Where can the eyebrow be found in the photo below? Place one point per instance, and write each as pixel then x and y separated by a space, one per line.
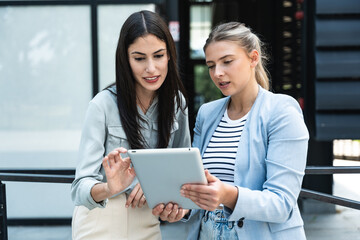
pixel 136 52
pixel 220 58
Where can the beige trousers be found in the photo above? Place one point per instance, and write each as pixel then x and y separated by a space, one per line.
pixel 115 222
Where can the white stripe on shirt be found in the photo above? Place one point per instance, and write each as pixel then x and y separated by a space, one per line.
pixel 219 156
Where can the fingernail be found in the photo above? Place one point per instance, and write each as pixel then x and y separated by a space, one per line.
pixel 126 205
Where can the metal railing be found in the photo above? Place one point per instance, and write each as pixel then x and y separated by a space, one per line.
pixel 67 176
pixel 323 197
pixel 43 176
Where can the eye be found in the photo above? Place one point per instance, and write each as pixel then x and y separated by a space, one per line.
pixel 159 55
pixel 227 61
pixel 139 59
pixel 211 66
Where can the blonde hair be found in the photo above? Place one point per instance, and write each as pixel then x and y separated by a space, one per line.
pixel 239 33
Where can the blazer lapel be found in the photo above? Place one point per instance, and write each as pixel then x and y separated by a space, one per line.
pixel 212 122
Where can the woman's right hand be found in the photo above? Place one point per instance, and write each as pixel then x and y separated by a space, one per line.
pixel 118 172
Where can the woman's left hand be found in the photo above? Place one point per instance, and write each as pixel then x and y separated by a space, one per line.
pixel 169 212
pixel 136 197
pixel 209 196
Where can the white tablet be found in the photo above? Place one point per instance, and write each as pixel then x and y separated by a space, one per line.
pixel 162 172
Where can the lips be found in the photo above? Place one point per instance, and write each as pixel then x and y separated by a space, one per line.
pixel 223 84
pixel 151 79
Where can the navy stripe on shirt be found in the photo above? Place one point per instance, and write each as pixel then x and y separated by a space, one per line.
pixel 220 155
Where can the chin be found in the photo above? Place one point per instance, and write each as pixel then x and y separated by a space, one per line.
pixel 154 88
pixel 225 93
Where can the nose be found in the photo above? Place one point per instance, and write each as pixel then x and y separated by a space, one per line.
pixel 150 66
pixel 218 72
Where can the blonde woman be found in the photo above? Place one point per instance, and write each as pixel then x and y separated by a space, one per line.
pixel 253 144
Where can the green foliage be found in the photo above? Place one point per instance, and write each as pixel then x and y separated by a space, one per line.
pixel 205 89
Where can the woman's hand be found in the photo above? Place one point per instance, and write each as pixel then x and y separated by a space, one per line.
pixel 118 172
pixel 171 212
pixel 210 196
pixel 136 197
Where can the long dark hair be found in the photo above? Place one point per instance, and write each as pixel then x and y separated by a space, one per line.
pixel 137 25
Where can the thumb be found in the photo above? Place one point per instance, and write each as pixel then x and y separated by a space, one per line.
pixel 210 178
pixel 130 168
pixel 132 171
pixel 127 162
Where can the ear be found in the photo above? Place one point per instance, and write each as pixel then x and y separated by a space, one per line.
pixel 255 58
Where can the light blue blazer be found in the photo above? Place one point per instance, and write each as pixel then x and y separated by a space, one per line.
pixel 269 167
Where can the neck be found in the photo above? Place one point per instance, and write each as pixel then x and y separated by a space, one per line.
pixel 144 98
pixel 241 104
pixel 144 102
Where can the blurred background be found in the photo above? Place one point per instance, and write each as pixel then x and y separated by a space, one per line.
pixel 55 55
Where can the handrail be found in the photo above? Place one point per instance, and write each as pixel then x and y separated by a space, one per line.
pixel 40 171
pixel 28 177
pixel 312 170
pixel 323 197
pixel 53 176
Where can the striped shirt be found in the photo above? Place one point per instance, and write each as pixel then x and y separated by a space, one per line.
pixel 219 156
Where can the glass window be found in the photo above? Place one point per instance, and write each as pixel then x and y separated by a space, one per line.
pixel 110 20
pixel 200 27
pixel 45 83
pixel 45 87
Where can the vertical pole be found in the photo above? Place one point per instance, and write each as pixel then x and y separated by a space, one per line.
pixel 185 64
pixel 94 44
pixel 172 12
pixel 320 153
pixel 3 216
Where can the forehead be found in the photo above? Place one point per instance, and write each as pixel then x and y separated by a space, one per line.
pixel 147 44
pixel 218 49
